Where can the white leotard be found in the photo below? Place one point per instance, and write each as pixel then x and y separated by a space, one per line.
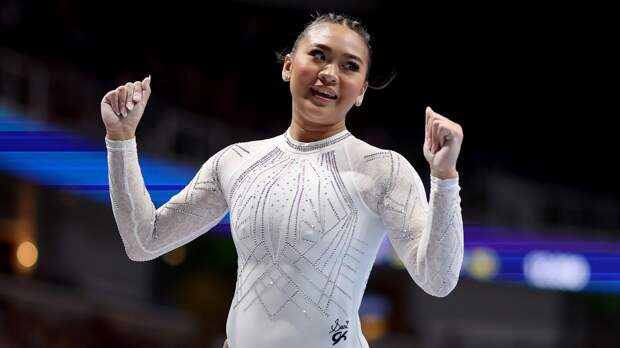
pixel 307 220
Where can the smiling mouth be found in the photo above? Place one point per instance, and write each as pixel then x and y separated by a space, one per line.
pixel 317 92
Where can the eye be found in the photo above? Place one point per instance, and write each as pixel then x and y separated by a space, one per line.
pixel 318 54
pixel 352 66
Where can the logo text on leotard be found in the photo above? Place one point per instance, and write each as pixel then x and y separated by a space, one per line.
pixel 339 331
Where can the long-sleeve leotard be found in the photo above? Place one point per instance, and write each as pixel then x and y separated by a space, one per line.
pixel 307 220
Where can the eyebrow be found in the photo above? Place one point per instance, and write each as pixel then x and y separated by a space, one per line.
pixel 348 55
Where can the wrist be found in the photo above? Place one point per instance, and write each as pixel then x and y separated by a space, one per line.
pixel 445 174
pixel 111 135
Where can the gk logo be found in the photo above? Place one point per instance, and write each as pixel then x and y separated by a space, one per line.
pixel 339 336
pixel 339 331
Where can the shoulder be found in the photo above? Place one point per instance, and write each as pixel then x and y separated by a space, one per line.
pixel 382 167
pixel 374 161
pixel 371 171
pixel 242 150
pixel 233 156
pixel 224 163
pixel 378 171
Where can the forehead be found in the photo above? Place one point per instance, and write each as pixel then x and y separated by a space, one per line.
pixel 338 37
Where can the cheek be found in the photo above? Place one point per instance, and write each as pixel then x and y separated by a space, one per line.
pixel 305 72
pixel 350 89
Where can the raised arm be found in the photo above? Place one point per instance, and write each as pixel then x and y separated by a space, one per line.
pixel 147 232
pixel 428 237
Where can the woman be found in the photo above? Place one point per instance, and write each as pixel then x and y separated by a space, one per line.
pixel 308 208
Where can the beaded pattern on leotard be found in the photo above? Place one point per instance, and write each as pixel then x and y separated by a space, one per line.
pixel 296 245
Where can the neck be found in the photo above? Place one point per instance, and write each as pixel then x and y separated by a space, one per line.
pixel 308 132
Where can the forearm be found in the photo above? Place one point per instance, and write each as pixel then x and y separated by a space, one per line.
pixel 429 237
pixel 131 204
pixel 426 234
pixel 440 253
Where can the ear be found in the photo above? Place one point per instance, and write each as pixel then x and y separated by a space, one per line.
pixel 360 97
pixel 286 68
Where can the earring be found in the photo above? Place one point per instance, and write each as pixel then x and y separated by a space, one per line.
pixel 358 102
pixel 286 77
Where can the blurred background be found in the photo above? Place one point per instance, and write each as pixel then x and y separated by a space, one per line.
pixel 535 89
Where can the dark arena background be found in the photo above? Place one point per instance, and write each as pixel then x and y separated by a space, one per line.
pixel 535 90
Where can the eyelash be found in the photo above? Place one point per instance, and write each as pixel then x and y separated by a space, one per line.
pixel 353 66
pixel 349 65
pixel 314 53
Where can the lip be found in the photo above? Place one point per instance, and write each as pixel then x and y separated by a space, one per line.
pixel 324 90
pixel 321 100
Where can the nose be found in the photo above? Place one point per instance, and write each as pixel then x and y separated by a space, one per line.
pixel 328 75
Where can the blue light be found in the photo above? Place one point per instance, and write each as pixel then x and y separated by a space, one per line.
pixel 58 159
pixel 52 157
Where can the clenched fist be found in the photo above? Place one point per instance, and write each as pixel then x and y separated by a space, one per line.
pixel 122 108
pixel 442 144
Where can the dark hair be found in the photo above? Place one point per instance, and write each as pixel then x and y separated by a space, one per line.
pixel 350 23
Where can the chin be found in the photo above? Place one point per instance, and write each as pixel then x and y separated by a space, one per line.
pixel 318 120
pixel 320 115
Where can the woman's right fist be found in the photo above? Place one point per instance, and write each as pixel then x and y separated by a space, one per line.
pixel 122 108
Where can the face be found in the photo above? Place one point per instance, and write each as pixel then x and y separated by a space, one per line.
pixel 327 73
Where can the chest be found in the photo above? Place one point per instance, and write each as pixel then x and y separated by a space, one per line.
pixel 287 203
